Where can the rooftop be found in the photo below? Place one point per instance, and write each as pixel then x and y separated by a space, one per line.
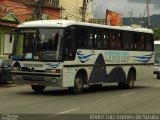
pixel 66 23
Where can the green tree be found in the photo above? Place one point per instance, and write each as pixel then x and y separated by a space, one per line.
pixel 157 34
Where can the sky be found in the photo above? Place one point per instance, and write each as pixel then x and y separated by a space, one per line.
pixel 123 6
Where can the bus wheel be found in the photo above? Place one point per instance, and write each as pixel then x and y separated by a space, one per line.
pixel 121 85
pixel 78 85
pixel 1 78
pixel 38 88
pixel 130 80
pixel 158 75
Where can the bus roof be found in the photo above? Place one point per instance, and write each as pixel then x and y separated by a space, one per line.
pixel 66 23
pixel 157 42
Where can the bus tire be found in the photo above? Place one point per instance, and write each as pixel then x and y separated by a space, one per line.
pixel 158 75
pixel 130 80
pixel 1 81
pixel 121 85
pixel 95 86
pixel 38 88
pixel 78 85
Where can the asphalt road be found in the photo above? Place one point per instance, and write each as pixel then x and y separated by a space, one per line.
pixel 54 102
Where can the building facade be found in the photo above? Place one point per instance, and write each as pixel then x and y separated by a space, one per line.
pixel 8 21
pixel 13 12
pixel 72 9
pixel 26 10
pixel 5 46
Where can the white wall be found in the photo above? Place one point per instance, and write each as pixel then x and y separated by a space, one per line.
pixel 72 8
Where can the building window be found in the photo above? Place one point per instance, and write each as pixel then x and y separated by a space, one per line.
pixel 7 49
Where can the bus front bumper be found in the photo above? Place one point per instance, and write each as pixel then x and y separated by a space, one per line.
pixel 34 78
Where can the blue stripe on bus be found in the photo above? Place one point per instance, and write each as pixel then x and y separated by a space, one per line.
pixel 143 58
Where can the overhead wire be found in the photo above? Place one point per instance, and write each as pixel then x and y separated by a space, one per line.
pixel 77 18
pixel 69 14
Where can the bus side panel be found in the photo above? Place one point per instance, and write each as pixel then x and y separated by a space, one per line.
pixel 68 76
pixel 107 66
pixel 144 63
pixel 99 66
pixel 147 71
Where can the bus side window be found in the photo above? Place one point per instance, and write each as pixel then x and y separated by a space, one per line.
pixel 125 41
pixel 128 42
pixel 142 42
pixel 105 40
pixel 70 45
pixel 80 38
pixel 115 40
pixel 100 39
pixel 139 44
pixel 118 40
pixel 91 38
pixel 112 41
pixel 148 42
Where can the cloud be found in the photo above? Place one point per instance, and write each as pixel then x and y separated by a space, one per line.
pixel 122 6
pixel 137 1
pixel 155 3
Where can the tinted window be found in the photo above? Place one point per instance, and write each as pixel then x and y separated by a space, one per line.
pixel 91 40
pixel 148 42
pixel 128 42
pixel 115 40
pixel 105 38
pixel 81 38
pixel 139 41
pixel 101 40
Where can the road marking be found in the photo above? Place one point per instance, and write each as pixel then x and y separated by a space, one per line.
pixel 64 112
pixel 68 111
pixel 128 94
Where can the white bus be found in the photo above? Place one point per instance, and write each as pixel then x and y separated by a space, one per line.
pixel 71 54
pixel 157 58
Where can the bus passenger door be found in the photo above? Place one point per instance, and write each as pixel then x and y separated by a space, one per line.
pixel 69 45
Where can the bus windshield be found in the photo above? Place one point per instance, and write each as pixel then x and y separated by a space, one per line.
pixel 157 51
pixel 157 57
pixel 38 44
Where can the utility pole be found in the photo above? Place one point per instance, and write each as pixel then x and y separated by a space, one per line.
pixel 148 13
pixel 131 19
pixel 39 8
pixel 141 22
pixel 61 12
pixel 84 7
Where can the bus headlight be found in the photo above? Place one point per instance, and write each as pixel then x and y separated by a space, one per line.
pixel 16 69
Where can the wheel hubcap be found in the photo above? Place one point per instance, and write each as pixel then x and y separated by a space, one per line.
pixel 78 83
